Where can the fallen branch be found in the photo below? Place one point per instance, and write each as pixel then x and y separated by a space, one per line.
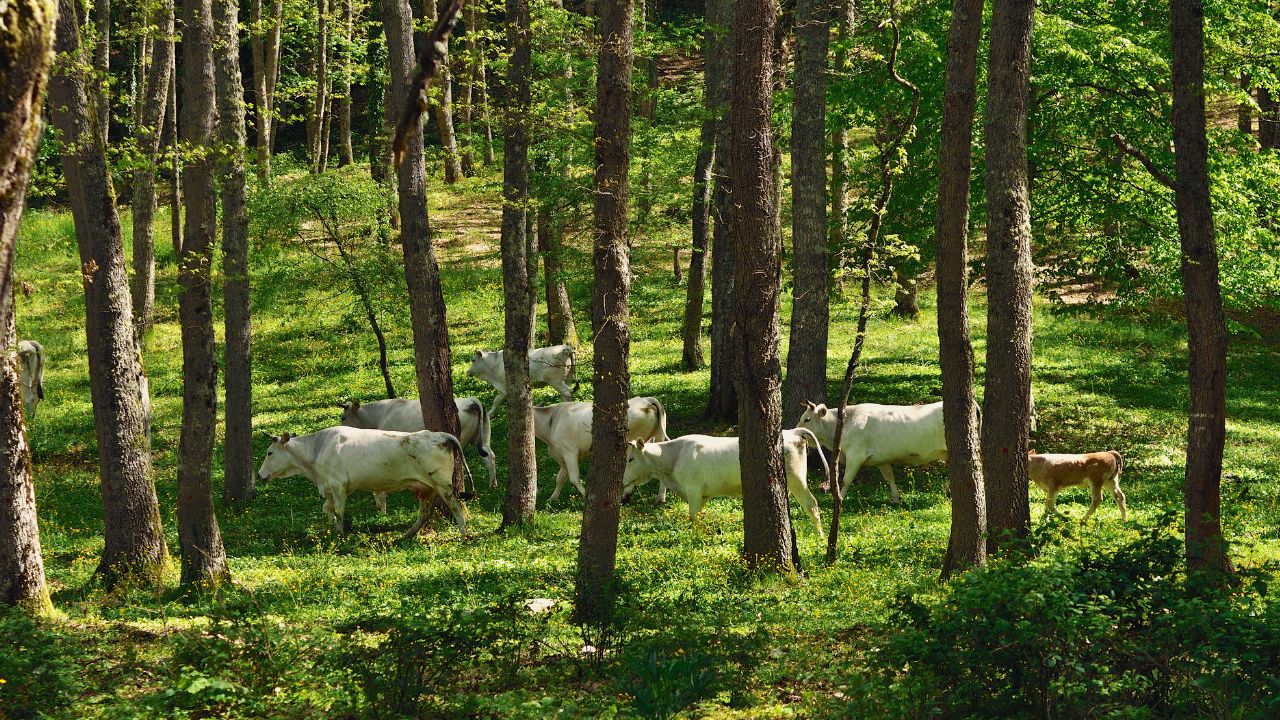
pixel 433 57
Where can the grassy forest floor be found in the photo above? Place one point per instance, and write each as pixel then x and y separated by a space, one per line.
pixel 297 633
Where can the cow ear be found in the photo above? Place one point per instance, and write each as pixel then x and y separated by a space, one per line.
pixel 285 438
pixel 479 354
pixel 822 410
pixel 1030 453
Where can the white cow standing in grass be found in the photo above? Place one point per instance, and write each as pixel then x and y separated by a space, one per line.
pixel 881 436
pixel 566 429
pixel 701 467
pixel 553 366
pixel 344 460
pixel 31 375
pixel 405 415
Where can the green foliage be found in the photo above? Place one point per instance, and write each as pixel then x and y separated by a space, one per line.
pixel 663 684
pixel 38 673
pixel 1084 631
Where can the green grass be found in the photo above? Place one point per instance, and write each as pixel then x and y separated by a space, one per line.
pixel 787 647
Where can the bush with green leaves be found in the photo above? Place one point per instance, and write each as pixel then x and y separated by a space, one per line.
pixel 38 676
pixel 1083 632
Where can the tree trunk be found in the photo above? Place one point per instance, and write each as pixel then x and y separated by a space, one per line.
pixel 422 275
pixel 906 298
pixel 238 487
pixel 1244 111
pixel 598 544
pixel 1268 120
pixel 320 111
pixel 560 326
pixel 810 313
pixel 695 292
pixel 757 276
pixel 1006 410
pixel 175 155
pixel 24 70
pixel 485 118
pixel 466 107
pixel 346 154
pixel 265 39
pixel 151 122
pixel 204 560
pixel 966 546
pixel 518 272
pixel 102 67
pixel 1206 328
pixel 442 106
pixel 722 396
pixel 134 550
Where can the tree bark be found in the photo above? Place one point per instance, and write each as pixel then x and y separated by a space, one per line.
pixel 151 121
pixel 757 276
pixel 560 326
pixel 1206 328
pixel 1006 406
pixel 266 69
pixel 810 312
pixel 102 67
pixel 320 111
pixel 134 550
pixel 26 34
pixel 967 544
pixel 1244 111
pixel 906 296
pixel 466 109
pixel 722 395
pixel 422 274
pixel 598 544
pixel 175 155
pixel 518 273
pixel 204 560
pixel 483 99
pixel 238 487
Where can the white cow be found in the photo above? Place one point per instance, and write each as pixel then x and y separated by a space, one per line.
pixel 404 415
pixel 881 436
pixel 566 429
pixel 549 366
pixel 342 460
pixel 31 374
pixel 701 467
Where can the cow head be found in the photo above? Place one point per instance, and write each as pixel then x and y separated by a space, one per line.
pixel 351 413
pixel 637 471
pixel 279 461
pixel 477 359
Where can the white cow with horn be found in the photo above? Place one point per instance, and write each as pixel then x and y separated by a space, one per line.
pixel 566 429
pixel 553 366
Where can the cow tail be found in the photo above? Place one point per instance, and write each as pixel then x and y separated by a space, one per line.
pixel 483 432
pixel 1119 463
pixel 826 469
pixel 662 418
pixel 457 447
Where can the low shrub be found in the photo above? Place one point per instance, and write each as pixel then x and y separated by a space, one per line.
pixel 38 677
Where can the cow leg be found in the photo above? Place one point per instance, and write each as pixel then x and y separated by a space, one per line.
pixel 497 400
pixel 572 465
pixel 1096 490
pixel 1118 495
pixel 851 469
pixel 1049 497
pixel 662 492
pixel 339 502
pixel 887 471
pixel 380 499
pixel 424 512
pixel 459 514
pixel 560 478
pixel 810 504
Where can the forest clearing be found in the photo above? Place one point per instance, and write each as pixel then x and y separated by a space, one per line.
pixel 649 284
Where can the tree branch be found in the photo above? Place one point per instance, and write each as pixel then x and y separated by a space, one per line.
pixel 433 57
pixel 1141 157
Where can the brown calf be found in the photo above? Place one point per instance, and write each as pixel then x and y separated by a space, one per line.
pixel 1055 471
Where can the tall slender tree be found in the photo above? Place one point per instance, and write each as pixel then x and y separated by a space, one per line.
pixel 134 550
pixel 598 544
pixel 1268 119
pixel 319 120
pixel 1206 328
pixel 716 83
pixel 265 47
pixel 102 67
pixel 757 281
pixel 1006 408
pixel 561 328
pixel 722 396
pixel 838 228
pixel 518 272
pixel 810 312
pixel 204 560
pixel 431 349
pixel 151 124
pixel 967 545
pixel 443 109
pixel 238 487
pixel 26 34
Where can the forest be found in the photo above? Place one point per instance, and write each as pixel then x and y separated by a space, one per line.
pixel 596 358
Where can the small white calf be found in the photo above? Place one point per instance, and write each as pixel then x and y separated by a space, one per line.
pixel 1054 471
pixel 701 467
pixel 881 436
pixel 549 366
pixel 343 460
pixel 566 429
pixel 31 375
pixel 405 415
